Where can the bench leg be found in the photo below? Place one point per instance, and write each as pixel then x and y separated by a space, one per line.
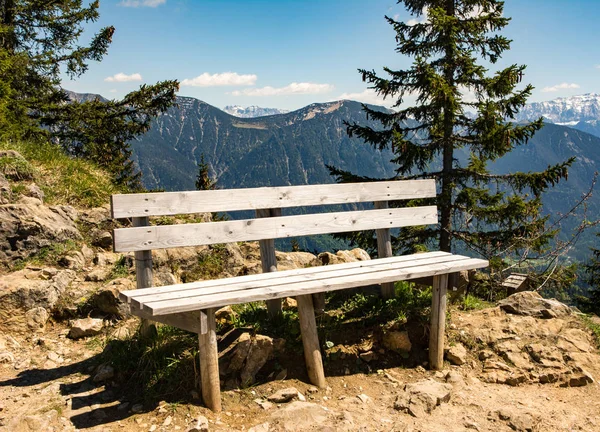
pixel 310 341
pixel 438 322
pixel 209 360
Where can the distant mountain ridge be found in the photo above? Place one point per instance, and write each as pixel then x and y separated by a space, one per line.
pixel 252 111
pixel 580 112
pixel 294 149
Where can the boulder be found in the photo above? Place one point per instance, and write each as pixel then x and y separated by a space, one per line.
pixel 85 327
pixel 530 303
pixel 28 225
pixel 34 191
pixel 5 190
pixel 295 260
pixel 284 395
pixel 225 316
pixel 25 292
pixel 107 298
pixel 249 355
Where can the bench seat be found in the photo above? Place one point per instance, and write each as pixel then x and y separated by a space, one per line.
pixel 210 294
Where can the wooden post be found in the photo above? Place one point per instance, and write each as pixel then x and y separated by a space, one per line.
pixel 384 250
pixel 143 274
pixel 209 360
pixel 268 258
pixel 310 341
pixel 438 322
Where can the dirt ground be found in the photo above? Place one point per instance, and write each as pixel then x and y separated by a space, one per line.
pixel 49 386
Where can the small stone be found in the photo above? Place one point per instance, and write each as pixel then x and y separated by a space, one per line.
pixel 85 327
pixel 7 357
pixel 104 373
pixel 263 427
pixel 471 425
pixel 457 355
pixel 266 405
pixel 454 377
pixel 284 395
pixel 579 379
pixel 364 398
pixel 152 428
pixel 368 356
pixel 289 304
pixel 313 390
pixel 137 408
pixel 201 425
pixel 168 421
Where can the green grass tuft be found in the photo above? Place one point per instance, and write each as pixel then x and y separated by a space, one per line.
pixel 63 179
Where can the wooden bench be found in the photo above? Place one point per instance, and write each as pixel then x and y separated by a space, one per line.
pixel 191 306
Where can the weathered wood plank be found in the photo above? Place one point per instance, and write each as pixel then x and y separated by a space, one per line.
pixel 438 321
pixel 209 362
pixel 384 250
pixel 224 200
pixel 310 286
pixel 268 259
pixel 187 320
pixel 169 236
pixel 262 277
pixel 285 278
pixel 310 341
pixel 143 274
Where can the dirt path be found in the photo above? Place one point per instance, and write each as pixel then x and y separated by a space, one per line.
pixel 48 385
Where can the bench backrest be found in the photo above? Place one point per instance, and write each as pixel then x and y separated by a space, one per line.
pixel 139 238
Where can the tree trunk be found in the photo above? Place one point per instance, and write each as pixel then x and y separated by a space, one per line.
pixel 445 197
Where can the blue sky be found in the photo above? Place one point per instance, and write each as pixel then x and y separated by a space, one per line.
pixel 287 54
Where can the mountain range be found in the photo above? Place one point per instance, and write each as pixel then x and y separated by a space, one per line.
pixel 580 112
pixel 252 111
pixel 294 148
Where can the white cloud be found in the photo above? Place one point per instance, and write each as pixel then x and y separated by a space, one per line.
pixel 563 86
pixel 112 90
pixel 121 77
pixel 424 18
pixel 220 79
pixel 598 66
pixel 368 96
pixel 143 3
pixel 303 88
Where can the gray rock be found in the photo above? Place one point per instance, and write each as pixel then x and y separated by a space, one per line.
pixel 200 425
pixel 250 355
pixel 28 225
pixel 104 372
pixel 85 327
pixel 298 416
pixel 284 395
pixel 263 427
pixel 457 354
pixel 23 295
pixel 530 303
pixel 107 298
pixel 102 239
pixel 421 398
pixel 34 191
pixel 266 405
pixel 98 275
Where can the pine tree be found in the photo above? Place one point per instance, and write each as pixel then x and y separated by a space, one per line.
pixel 592 271
pixel 38 40
pixel 204 180
pixel 461 122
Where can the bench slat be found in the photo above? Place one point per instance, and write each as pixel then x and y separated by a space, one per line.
pixel 170 236
pixel 303 288
pixel 160 300
pixel 173 203
pixel 260 278
pixel 308 284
